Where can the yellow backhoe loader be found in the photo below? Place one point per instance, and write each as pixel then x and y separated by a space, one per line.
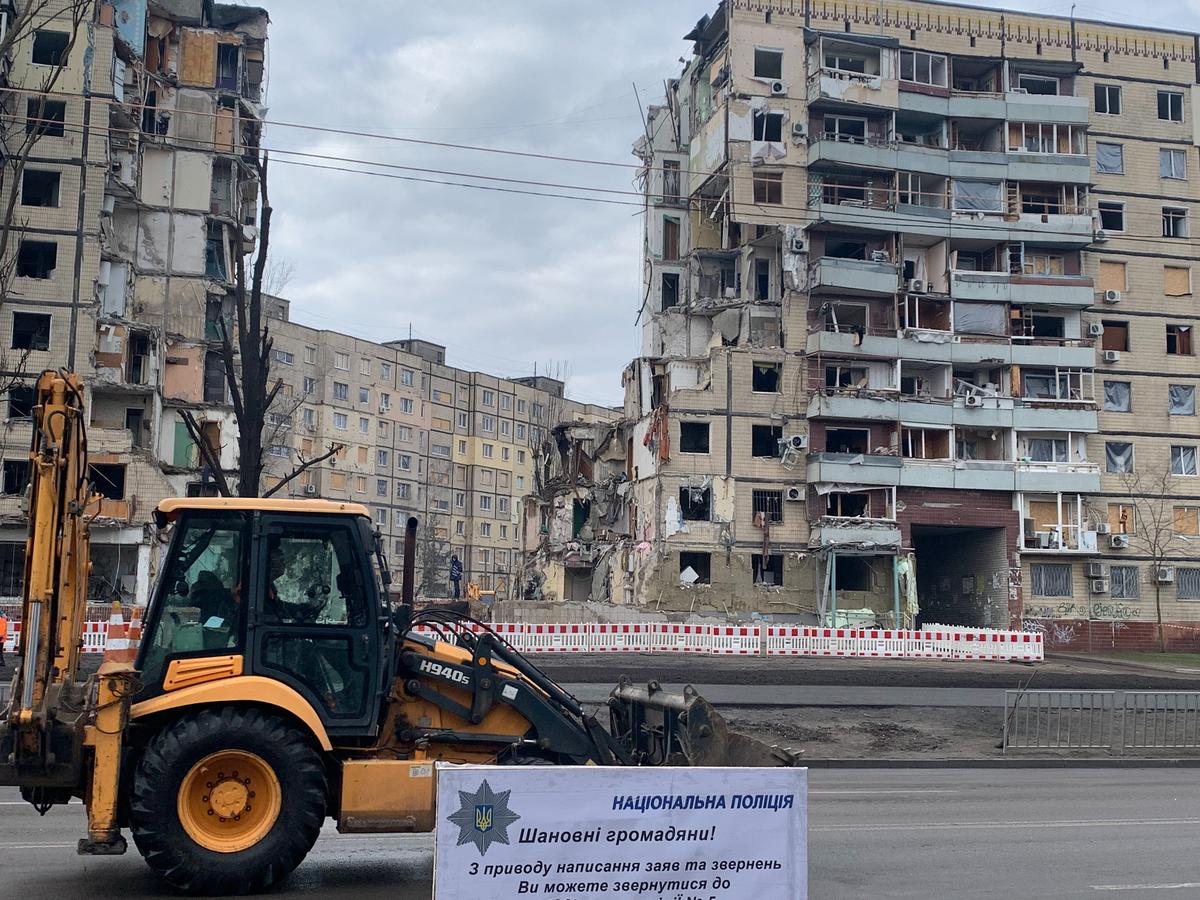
pixel 275 687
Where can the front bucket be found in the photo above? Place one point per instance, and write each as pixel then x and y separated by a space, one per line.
pixel 657 728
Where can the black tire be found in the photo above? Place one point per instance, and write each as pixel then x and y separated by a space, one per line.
pixel 154 818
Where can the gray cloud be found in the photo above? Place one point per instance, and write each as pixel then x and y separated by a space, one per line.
pixel 504 280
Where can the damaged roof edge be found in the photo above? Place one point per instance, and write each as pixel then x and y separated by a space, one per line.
pixel 811 35
pixel 710 28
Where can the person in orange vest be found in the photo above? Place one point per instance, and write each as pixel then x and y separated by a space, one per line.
pixel 3 636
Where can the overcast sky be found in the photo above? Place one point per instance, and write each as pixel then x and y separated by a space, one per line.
pixel 505 281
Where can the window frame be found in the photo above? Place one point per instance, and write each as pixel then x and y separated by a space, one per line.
pixel 1108 90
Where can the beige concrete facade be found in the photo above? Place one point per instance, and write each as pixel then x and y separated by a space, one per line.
pixel 925 242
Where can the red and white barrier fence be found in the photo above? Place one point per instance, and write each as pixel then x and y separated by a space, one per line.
pixel 937 642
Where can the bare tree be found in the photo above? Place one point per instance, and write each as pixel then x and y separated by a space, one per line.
pixel 1152 492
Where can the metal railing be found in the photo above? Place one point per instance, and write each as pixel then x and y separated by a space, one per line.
pixel 1116 721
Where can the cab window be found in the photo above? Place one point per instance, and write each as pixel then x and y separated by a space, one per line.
pixel 199 606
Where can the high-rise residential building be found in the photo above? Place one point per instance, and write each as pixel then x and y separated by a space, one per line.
pixel 453 447
pixel 129 204
pixel 919 294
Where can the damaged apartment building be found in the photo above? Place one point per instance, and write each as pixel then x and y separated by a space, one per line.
pixel 131 203
pixel 917 304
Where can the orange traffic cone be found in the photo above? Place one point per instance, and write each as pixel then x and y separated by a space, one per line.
pixel 117 648
pixel 135 630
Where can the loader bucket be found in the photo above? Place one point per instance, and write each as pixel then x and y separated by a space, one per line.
pixel 657 728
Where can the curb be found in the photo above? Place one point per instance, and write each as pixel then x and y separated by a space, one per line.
pixel 1006 763
pixel 1123 663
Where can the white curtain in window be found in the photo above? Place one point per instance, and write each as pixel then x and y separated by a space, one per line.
pixel 1181 400
pixel 1183 460
pixel 1047 450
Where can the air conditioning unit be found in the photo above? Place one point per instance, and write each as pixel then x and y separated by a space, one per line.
pixel 310 489
pixel 1095 329
pixel 1118 541
pixel 1101 236
pixel 799 246
pixel 880 256
pixel 798 441
pixel 973 401
pixel 1096 570
pixel 1112 296
pixel 918 286
pixel 795 494
pixel 1103 528
pixel 779 88
pixel 1112 355
pixel 1099 585
pixel 1164 575
pixel 800 130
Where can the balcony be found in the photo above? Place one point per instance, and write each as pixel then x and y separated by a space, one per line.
pixel 956 474
pixel 837 531
pixel 854 468
pixel 853 277
pixel 1076 477
pixel 1025 107
pixel 855 88
pixel 874 405
pixel 1067 168
pixel 1031 290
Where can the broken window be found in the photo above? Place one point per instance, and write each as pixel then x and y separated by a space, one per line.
pixel 838 249
pixel 1118 457
pixel 1183 459
pixel 764 440
pixel 700 565
pixel 1179 340
pixel 134 419
pixel 214 252
pixel 695 503
pixel 765 378
pixel 845 377
pixel 768 126
pixel 1048 450
pixel 768 187
pixel 1110 159
pixel 1172 164
pixel 693 437
pixel 1174 222
pixel 1117 396
pixel 670 237
pixel 981 318
pixel 49 47
pixel 40 188
pixel 852 573
pixel 846 317
pixel 37 259
pixel 768 63
pixel 30 331
pixel 670 289
pixel 1181 400
pixel 769 574
pixel 670 174
pixel 20 401
pixel 15 477
pixel 762 279
pixel 769 503
pixel 1112 216
pixel 847 440
pixel 1050 579
pixel 227 66
pixel 1108 99
pixel 108 480
pixel 847 505
pixel 925 443
pixel 1115 336
pixel 214 377
pixel 978 196
pixel 580 513
pixel 923 68
pixel 1049 326
pixel 45 118
pixel 1121 518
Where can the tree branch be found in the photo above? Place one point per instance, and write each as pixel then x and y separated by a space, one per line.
pixel 197 436
pixel 305 465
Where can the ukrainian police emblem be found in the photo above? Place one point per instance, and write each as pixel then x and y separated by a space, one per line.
pixel 483 817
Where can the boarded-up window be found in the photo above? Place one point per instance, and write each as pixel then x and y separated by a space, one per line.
pixel 225 130
pixel 198 58
pixel 1116 335
pixel 1112 276
pixel 1187 520
pixel 670 238
pixel 1120 518
pixel 1044 514
pixel 1177 281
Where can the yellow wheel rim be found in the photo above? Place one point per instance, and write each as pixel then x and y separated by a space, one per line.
pixel 229 801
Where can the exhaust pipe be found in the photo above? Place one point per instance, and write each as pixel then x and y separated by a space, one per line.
pixel 408 576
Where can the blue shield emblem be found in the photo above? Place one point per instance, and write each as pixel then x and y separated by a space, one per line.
pixel 483 817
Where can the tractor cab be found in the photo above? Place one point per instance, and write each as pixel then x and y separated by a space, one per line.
pixel 283 589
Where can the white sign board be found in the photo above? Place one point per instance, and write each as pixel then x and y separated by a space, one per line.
pixel 578 832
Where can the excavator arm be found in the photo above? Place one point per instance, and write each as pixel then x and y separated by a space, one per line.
pixel 59 738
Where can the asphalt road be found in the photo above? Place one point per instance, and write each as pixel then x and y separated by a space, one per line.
pixel 1052 834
